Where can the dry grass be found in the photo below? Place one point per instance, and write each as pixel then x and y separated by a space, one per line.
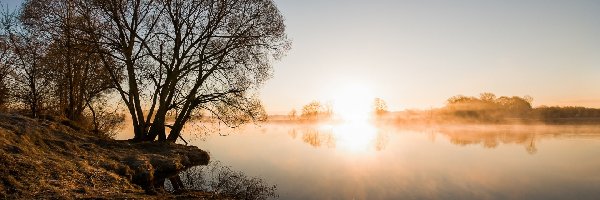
pixel 46 159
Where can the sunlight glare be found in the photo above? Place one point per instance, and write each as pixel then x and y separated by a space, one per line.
pixel 358 136
pixel 353 103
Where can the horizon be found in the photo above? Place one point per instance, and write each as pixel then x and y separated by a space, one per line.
pixel 416 55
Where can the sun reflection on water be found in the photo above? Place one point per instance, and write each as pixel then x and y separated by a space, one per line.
pixel 351 137
pixel 356 136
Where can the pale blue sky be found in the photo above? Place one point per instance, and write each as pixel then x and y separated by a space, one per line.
pixel 416 54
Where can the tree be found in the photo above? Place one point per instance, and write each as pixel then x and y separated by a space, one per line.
pixel 105 120
pixel 185 56
pixel 5 68
pixel 27 47
pixel 327 110
pixel 488 107
pixel 379 106
pixel 72 59
pixel 460 99
pixel 515 106
pixel 311 111
pixel 292 115
pixel 487 97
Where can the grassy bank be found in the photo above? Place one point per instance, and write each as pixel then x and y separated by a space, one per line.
pixel 48 159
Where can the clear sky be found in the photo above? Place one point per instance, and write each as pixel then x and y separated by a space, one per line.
pixel 416 54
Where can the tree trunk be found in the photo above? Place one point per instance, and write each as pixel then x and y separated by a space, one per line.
pixel 137 127
pixel 174 134
pixel 94 118
pixel 157 129
pixel 176 183
pixel 178 126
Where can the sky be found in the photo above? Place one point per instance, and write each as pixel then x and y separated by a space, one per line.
pixel 417 54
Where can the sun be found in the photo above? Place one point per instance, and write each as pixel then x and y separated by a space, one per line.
pixel 353 103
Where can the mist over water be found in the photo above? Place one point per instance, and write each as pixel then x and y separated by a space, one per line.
pixel 366 161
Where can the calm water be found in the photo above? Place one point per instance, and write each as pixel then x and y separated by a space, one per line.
pixel 363 161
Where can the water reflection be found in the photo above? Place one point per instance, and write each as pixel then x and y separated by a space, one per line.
pixel 525 135
pixel 355 137
pixel 419 162
pixel 351 137
pixel 222 182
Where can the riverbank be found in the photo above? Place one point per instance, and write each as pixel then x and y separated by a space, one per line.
pixel 53 159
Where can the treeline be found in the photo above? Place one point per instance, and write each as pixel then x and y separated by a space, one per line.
pixel 316 110
pixel 487 108
pixel 166 62
pixel 567 114
pixel 313 111
pixel 47 69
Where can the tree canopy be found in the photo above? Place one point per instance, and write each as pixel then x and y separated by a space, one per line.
pixel 180 56
pixel 162 58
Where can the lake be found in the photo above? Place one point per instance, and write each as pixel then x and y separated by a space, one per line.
pixel 364 161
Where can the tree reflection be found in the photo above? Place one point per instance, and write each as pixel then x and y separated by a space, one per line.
pixel 381 141
pixel 362 137
pixel 223 183
pixel 525 135
pixel 317 139
pixel 356 136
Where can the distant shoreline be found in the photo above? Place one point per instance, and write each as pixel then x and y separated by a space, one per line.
pixel 398 120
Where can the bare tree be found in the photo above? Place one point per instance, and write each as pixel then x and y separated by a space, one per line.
pixel 184 56
pixel 379 106
pixel 78 77
pixel 5 68
pixel 292 115
pixel 487 97
pixel 72 59
pixel 105 119
pixel 312 111
pixel 27 47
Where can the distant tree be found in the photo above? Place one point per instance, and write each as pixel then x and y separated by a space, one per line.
pixel 379 106
pixel 326 110
pixel 528 99
pixel 312 110
pixel 515 106
pixel 460 99
pixel 463 103
pixel 487 97
pixel 293 114
pixel 489 108
pixel 554 113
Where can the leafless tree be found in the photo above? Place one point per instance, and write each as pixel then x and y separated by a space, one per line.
pixel 72 60
pixel 185 56
pixel 5 68
pixel 292 115
pixel 29 85
pixel 312 111
pixel 379 106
